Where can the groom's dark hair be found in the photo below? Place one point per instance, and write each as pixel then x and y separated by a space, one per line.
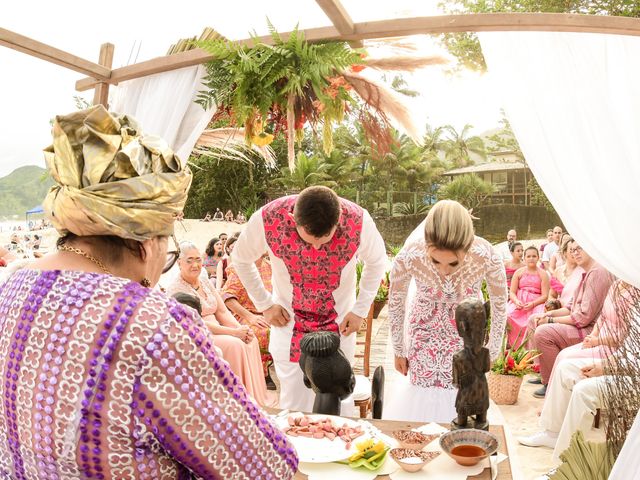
pixel 317 210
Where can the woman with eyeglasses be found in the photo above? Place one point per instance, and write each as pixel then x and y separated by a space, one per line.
pixel 103 376
pixel 238 343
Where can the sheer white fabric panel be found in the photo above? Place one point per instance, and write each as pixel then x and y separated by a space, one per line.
pixel 573 102
pixel 164 106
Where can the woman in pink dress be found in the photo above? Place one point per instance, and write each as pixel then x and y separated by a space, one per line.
pixel 441 263
pixel 238 343
pixel 528 294
pixel 510 266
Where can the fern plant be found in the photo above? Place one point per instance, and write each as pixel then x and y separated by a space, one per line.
pixel 271 89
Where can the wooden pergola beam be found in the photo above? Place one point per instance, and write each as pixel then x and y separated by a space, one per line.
pixel 32 47
pixel 479 22
pixel 101 93
pixel 335 11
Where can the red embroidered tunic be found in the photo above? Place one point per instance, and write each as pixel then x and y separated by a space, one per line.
pixel 315 273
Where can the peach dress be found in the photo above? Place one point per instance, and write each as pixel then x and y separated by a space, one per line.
pixel 243 358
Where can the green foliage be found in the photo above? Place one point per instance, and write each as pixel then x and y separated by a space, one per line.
pixel 382 294
pixel 309 171
pixel 470 190
pixel 588 460
pixel 259 83
pixel 459 146
pixel 466 47
pixel 504 139
pixel 23 189
pixel 516 361
pixel 226 184
pixel 410 208
pixel 537 195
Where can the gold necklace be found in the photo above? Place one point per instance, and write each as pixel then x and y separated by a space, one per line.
pixel 84 254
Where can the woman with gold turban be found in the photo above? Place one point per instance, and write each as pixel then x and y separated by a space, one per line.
pixel 103 377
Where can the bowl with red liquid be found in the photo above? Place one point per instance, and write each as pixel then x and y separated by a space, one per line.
pixel 468 446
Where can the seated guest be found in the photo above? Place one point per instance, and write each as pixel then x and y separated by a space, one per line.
pixel 194 302
pixel 566 278
pixel 574 397
pixel 528 293
pixel 609 328
pixel 218 216
pixel 212 255
pixel 549 238
pixel 240 218
pixel 504 249
pixel 228 217
pixel 103 376
pixel 221 269
pixel 569 325
pixel 207 217
pixel 515 262
pixel 578 382
pixel 552 247
pixel 237 342
pixel 557 260
pixel 237 300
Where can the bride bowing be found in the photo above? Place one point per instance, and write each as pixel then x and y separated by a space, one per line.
pixel 441 263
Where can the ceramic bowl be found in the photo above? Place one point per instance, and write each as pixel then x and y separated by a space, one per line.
pixel 412 460
pixel 413 440
pixel 468 446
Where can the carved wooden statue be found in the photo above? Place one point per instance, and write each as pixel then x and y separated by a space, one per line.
pixel 470 365
pixel 326 371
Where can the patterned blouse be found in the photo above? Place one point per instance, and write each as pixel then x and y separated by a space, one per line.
pixel 431 330
pixel 103 378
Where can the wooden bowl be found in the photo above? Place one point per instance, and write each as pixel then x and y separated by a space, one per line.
pixel 413 440
pixel 412 460
pixel 468 446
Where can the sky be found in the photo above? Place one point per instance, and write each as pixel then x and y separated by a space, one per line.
pixel 33 91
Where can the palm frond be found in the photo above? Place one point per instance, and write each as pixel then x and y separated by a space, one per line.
pixel 230 143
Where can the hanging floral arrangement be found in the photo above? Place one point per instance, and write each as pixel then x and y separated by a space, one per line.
pixel 272 90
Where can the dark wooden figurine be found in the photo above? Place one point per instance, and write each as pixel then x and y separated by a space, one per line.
pixel 326 371
pixel 470 365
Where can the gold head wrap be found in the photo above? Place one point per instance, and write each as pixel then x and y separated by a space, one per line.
pixel 112 179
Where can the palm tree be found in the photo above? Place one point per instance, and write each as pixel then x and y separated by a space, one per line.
pixel 470 190
pixel 433 143
pixel 459 146
pixel 309 171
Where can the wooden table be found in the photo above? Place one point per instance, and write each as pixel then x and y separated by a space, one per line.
pixel 504 467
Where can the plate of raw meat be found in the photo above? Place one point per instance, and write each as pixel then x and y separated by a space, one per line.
pixel 321 438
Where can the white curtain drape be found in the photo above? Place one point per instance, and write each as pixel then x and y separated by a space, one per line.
pixel 164 105
pixel 573 103
pixel 572 100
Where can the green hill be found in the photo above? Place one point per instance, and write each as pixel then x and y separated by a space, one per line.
pixel 23 189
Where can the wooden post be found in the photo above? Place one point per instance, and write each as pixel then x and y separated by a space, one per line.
pixel 101 94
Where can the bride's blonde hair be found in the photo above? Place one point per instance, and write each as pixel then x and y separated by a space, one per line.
pixel 449 226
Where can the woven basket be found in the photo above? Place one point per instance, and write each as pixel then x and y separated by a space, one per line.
pixel 504 389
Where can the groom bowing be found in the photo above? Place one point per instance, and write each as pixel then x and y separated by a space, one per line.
pixel 314 240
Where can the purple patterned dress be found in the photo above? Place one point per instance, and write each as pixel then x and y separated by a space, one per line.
pixel 103 378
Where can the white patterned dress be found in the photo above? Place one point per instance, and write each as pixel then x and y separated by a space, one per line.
pixel 423 326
